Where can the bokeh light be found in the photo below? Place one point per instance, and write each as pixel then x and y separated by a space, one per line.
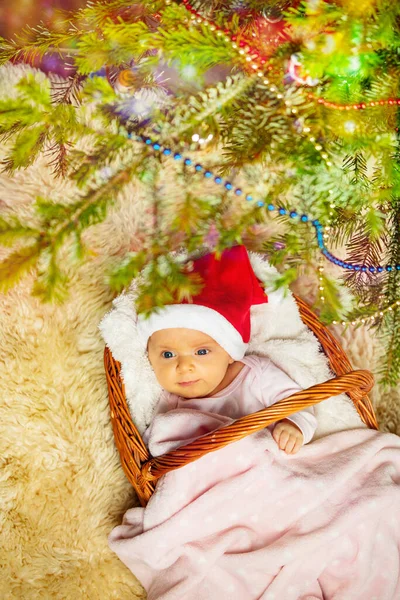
pixel 15 15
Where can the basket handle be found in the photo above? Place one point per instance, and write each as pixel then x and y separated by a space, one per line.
pixel 359 382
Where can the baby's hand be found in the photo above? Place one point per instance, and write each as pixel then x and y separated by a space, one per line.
pixel 288 436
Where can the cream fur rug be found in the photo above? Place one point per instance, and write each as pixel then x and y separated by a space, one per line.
pixel 62 487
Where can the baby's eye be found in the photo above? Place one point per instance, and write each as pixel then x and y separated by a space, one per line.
pixel 166 352
pixel 203 350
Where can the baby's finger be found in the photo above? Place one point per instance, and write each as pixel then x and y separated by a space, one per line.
pixel 276 434
pixel 290 444
pixel 283 439
pixel 297 446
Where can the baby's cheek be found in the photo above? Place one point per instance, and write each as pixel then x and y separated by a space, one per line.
pixel 163 374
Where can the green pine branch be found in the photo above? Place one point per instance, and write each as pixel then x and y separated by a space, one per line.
pixel 269 139
pixel 57 224
pixel 18 264
pixel 206 108
pixel 34 124
pixel 389 369
pixel 95 14
pixel 34 42
pixel 11 230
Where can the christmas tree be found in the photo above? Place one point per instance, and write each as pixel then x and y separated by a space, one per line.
pixel 274 124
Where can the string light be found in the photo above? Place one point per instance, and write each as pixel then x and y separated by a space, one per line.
pixel 355 106
pixel 199 140
pixel 321 279
pixel 293 214
pixel 258 64
pixel 252 59
pixel 365 319
pixel 256 61
pixel 321 287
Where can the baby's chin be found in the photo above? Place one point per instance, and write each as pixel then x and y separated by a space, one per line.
pixel 193 391
pixel 185 393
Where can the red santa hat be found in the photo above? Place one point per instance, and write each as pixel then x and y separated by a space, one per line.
pixel 222 309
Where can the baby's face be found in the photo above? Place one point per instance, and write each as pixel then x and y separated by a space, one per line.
pixel 180 355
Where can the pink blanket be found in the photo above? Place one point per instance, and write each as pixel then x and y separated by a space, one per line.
pixel 249 522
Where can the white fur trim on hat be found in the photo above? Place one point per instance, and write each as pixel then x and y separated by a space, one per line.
pixel 198 317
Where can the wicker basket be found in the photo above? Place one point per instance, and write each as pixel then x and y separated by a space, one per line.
pixel 143 471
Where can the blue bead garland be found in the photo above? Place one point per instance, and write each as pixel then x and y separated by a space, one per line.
pixel 319 230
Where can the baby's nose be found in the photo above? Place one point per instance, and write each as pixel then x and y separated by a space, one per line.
pixel 185 363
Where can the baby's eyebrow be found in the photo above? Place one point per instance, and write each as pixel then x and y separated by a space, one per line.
pixel 194 346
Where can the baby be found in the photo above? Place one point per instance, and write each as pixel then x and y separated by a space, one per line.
pixel 196 372
pixel 197 351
